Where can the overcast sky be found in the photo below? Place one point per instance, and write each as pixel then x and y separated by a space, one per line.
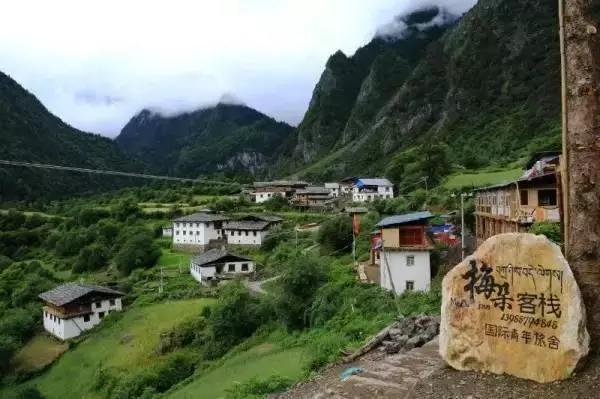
pixel 96 63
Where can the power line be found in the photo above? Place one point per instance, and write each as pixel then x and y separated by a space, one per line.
pixel 108 172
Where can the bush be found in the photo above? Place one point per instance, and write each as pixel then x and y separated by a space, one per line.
pixel 548 229
pixel 336 234
pixel 256 389
pixel 138 251
pixel 298 284
pixel 235 316
pixel 276 203
pixel 91 258
pixel 182 335
pixel 8 347
pixel 27 393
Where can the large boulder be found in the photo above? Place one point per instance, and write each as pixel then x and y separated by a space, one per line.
pixel 514 307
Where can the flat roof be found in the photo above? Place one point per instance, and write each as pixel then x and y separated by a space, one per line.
pixel 404 219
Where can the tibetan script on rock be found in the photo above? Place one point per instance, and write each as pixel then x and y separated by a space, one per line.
pixel 514 307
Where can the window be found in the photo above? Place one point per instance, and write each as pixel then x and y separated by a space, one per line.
pixel 410 285
pixel 86 318
pixel 98 304
pixel 112 302
pixel 101 315
pixel 59 321
pixel 184 232
pixel 197 232
pixel 387 189
pixel 547 197
pixel 246 233
pixel 524 194
pixel 410 260
pixel 176 232
pixel 231 267
pixel 411 236
pixel 244 267
pixel 254 233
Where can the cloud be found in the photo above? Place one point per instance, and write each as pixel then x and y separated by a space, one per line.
pixel 96 63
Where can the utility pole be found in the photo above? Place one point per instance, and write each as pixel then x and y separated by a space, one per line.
pixel 581 117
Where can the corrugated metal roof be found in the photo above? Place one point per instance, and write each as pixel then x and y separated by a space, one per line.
pixel 213 256
pixel 379 181
pixel 201 217
pixel 403 219
pixel 69 292
pixel 332 185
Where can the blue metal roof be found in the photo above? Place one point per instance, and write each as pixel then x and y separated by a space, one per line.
pixel 403 219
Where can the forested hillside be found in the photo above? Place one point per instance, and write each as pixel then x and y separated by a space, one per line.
pixel 29 132
pixel 487 91
pixel 224 138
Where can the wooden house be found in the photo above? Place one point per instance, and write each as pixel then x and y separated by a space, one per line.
pixel 264 191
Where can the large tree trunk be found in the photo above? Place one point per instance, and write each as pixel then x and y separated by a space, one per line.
pixel 582 53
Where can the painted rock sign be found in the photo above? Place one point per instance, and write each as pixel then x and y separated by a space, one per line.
pixel 514 307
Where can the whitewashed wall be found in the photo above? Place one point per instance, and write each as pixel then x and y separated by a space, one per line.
pixel 245 237
pixel 196 233
pixel 419 273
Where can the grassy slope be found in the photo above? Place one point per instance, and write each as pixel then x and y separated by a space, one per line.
pixel 480 179
pixel 261 361
pixel 127 344
pixel 39 352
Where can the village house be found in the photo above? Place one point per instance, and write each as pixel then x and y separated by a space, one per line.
pixel 250 230
pixel 195 231
pixel 70 309
pixel 214 265
pixel 514 206
pixel 366 190
pixel 346 185
pixel 334 189
pixel 264 191
pixel 167 231
pixel 312 197
pixel 404 252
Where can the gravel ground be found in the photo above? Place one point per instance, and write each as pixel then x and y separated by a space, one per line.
pixel 446 383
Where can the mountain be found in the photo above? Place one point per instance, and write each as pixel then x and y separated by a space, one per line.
pixel 29 132
pixel 483 90
pixel 225 138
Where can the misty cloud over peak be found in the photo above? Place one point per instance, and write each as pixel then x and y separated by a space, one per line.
pixel 178 56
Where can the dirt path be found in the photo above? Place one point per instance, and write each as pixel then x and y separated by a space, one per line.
pixel 384 376
pixel 256 286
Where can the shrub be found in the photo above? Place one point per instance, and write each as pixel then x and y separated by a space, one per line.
pixel 27 393
pixel 276 203
pixel 298 284
pixel 548 229
pixel 8 347
pixel 256 389
pixel 138 251
pixel 235 316
pixel 336 234
pixel 182 335
pixel 91 258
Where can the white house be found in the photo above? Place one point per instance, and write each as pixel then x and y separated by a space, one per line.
pixel 218 264
pixel 167 231
pixel 264 191
pixel 334 189
pixel 72 308
pixel 366 190
pixel 250 230
pixel 405 249
pixel 195 231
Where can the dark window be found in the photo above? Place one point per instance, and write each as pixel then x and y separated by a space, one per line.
pixel 86 318
pixel 254 233
pixel 98 304
pixel 524 197
pixel 101 315
pixel 410 260
pixel 547 197
pixel 244 267
pixel 231 267
pixel 246 233
pixel 112 302
pixel 410 285
pixel 411 236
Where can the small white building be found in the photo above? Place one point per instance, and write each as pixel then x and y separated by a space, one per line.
pixel 70 309
pixel 195 231
pixel 264 191
pixel 250 230
pixel 334 189
pixel 404 252
pixel 167 231
pixel 218 264
pixel 366 190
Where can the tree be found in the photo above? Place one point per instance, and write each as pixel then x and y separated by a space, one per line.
pixel 138 251
pixel 91 258
pixel 298 284
pixel 582 153
pixel 336 234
